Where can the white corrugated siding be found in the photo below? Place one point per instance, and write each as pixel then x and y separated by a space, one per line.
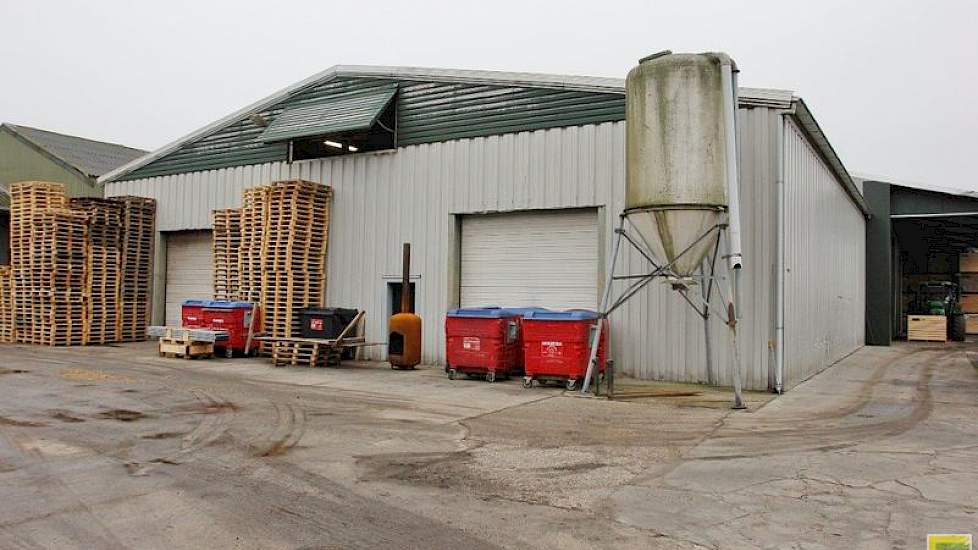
pixel 825 264
pixel 415 194
pixel 541 258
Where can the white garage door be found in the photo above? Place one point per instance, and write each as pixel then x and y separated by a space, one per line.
pixel 540 258
pixel 189 261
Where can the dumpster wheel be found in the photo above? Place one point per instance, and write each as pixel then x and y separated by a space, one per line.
pixel 491 376
pixel 452 373
pixel 571 384
pixel 527 382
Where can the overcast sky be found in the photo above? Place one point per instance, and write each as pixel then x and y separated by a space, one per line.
pixel 892 83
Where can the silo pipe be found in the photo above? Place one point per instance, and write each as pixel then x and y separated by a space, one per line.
pixel 736 261
pixel 733 189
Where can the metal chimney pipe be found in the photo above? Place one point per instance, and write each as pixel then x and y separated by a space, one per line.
pixel 406 280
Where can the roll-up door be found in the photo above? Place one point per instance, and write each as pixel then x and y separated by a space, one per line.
pixel 189 261
pixel 534 258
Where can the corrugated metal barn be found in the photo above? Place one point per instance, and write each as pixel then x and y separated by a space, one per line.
pixel 508 185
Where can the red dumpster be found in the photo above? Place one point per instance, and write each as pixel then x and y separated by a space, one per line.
pixel 192 313
pixel 482 341
pixel 556 345
pixel 521 313
pixel 234 317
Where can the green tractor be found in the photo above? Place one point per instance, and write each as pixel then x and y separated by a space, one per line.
pixel 941 298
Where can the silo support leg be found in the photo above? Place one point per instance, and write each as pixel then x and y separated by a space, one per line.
pixel 738 402
pixel 711 377
pixel 603 312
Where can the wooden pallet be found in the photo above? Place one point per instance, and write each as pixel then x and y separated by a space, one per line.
pixel 187 350
pixel 315 352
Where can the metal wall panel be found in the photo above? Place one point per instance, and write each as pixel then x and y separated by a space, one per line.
pixel 418 193
pixel 825 264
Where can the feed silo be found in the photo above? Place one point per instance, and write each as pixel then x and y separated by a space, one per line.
pixel 681 190
pixel 677 155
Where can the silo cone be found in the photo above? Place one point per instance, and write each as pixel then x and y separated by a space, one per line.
pixel 676 179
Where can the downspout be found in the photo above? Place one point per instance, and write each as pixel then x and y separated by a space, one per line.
pixel 780 259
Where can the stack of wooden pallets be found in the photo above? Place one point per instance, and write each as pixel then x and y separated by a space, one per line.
pixel 103 267
pixel 296 237
pixel 286 353
pixel 138 234
pixel 76 266
pixel 58 293
pixel 281 255
pixel 27 200
pixel 251 254
pixel 227 244
pixel 7 332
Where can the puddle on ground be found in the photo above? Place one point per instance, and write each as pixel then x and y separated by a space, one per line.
pixel 212 407
pixel 12 371
pixel 65 416
pixel 163 435
pixel 49 447
pixel 122 415
pixel 4 421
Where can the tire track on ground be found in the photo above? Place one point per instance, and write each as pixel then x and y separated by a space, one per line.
pixel 831 436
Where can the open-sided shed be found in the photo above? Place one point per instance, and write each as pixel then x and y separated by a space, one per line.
pixel 915 235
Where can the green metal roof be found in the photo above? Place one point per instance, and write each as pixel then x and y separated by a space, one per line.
pixel 431 106
pixel 434 105
pixel 91 158
pixel 333 115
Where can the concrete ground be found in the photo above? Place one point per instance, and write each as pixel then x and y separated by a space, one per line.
pixel 114 447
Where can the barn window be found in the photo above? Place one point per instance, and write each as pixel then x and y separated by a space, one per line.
pixel 351 123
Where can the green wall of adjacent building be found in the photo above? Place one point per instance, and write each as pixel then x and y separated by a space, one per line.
pixel 21 162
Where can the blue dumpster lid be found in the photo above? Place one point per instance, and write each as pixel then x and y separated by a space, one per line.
pixel 196 302
pixel 569 315
pixel 220 304
pixel 482 312
pixel 522 311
